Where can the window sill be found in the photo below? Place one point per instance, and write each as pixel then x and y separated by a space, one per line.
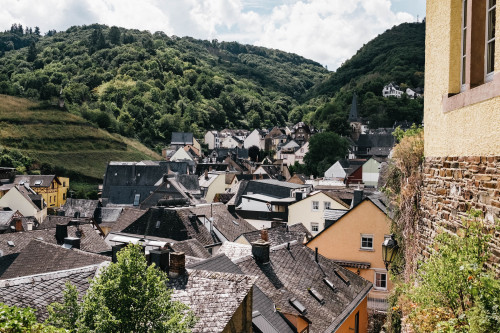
pixel 474 95
pixel 367 250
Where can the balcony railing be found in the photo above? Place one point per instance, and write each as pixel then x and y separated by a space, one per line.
pixel 380 304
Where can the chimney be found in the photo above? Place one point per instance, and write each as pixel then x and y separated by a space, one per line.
pixel 260 251
pixel 264 235
pixel 357 197
pixel 177 264
pixel 114 250
pixel 206 174
pixel 19 225
pixel 160 258
pixel 61 233
pixel 30 225
pixel 72 242
pixel 316 254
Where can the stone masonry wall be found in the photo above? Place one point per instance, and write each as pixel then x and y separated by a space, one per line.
pixel 451 186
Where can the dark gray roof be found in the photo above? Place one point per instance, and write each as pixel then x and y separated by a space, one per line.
pixel 375 140
pixel 38 291
pixel 261 302
pixel 41 257
pixel 292 272
pixel 127 217
pixel 51 221
pixel 91 241
pixel 6 217
pixel 174 224
pixel 84 207
pixel 110 214
pixel 228 225
pixel 123 181
pixel 213 297
pixel 35 180
pixel 191 247
pixel 350 166
pixel 281 234
pixel 270 187
pixel 181 138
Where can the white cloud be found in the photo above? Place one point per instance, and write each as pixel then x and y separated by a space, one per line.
pixel 327 31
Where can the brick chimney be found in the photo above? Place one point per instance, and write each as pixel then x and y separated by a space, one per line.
pixel 177 264
pixel 61 233
pixel 206 174
pixel 19 225
pixel 260 251
pixel 264 235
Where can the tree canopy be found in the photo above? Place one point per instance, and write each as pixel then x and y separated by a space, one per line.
pixel 324 149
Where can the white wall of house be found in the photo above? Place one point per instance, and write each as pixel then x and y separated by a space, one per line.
pixel 14 200
pixel 254 139
pixel 212 139
pixel 229 142
pixel 335 172
pixel 180 155
pixel 301 152
pixel 310 211
pixel 371 171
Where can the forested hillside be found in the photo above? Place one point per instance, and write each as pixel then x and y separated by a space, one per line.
pixel 147 85
pixel 397 55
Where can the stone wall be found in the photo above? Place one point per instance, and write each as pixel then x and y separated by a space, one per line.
pixel 453 185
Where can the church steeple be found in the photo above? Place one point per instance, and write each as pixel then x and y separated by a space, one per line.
pixel 353 115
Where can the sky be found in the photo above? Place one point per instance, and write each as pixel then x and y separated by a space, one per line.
pixel 326 31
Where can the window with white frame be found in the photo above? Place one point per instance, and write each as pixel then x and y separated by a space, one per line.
pixel 380 280
pixel 366 242
pixel 489 63
pixel 314 227
pixel 327 204
pixel 315 205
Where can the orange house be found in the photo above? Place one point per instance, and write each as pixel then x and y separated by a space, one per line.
pixel 355 242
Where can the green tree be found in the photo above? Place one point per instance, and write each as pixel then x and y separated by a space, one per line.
pixel 22 320
pixel 114 35
pixel 454 290
pixel 32 52
pixel 324 149
pixel 127 296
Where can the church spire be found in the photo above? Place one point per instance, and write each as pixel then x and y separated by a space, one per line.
pixel 353 115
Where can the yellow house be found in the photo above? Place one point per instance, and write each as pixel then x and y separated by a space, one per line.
pixel 53 189
pixel 212 183
pixel 461 114
pixel 355 242
pixel 310 210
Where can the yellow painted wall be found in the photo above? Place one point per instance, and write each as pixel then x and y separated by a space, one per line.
pixel 342 241
pixel 217 186
pixel 62 191
pixel 301 212
pixel 469 131
pixel 348 325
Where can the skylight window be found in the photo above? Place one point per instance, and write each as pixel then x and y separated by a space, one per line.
pixel 158 224
pixel 297 305
pixel 329 284
pixel 317 295
pixel 136 199
pixel 38 182
pixel 10 243
pixel 342 276
pixel 235 222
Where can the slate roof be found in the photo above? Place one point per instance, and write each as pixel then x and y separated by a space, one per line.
pixel 38 291
pixel 213 297
pixel 334 214
pixel 261 302
pixel 174 224
pixel 123 181
pixel 376 140
pixel 350 166
pixel 35 180
pixel 191 247
pixel 90 242
pixel 335 198
pixel 270 187
pixel 235 250
pixel 84 207
pixel 281 234
pixel 292 272
pixel 181 138
pixel 127 217
pixel 51 221
pixel 6 217
pixel 41 257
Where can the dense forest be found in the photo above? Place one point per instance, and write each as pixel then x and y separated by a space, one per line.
pixel 145 85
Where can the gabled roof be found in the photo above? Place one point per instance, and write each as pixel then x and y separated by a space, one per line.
pixel 40 290
pixel 27 194
pixel 90 242
pixel 281 234
pixel 41 257
pixel 350 166
pixel 290 145
pixel 127 217
pixel 292 272
pixel 330 195
pixel 36 180
pixel 51 221
pixel 213 297
pixel 181 138
pixel 6 217
pixel 261 303
pixel 191 247
pixel 376 140
pixel 174 224
pixel 84 207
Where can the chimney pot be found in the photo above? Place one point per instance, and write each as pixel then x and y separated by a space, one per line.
pixel 177 264
pixel 264 235
pixel 19 225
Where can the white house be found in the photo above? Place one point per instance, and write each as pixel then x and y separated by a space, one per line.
pixel 21 198
pixel 301 152
pixel 335 172
pixel 392 90
pixel 212 139
pixel 371 172
pixel 181 155
pixel 230 142
pixel 256 138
